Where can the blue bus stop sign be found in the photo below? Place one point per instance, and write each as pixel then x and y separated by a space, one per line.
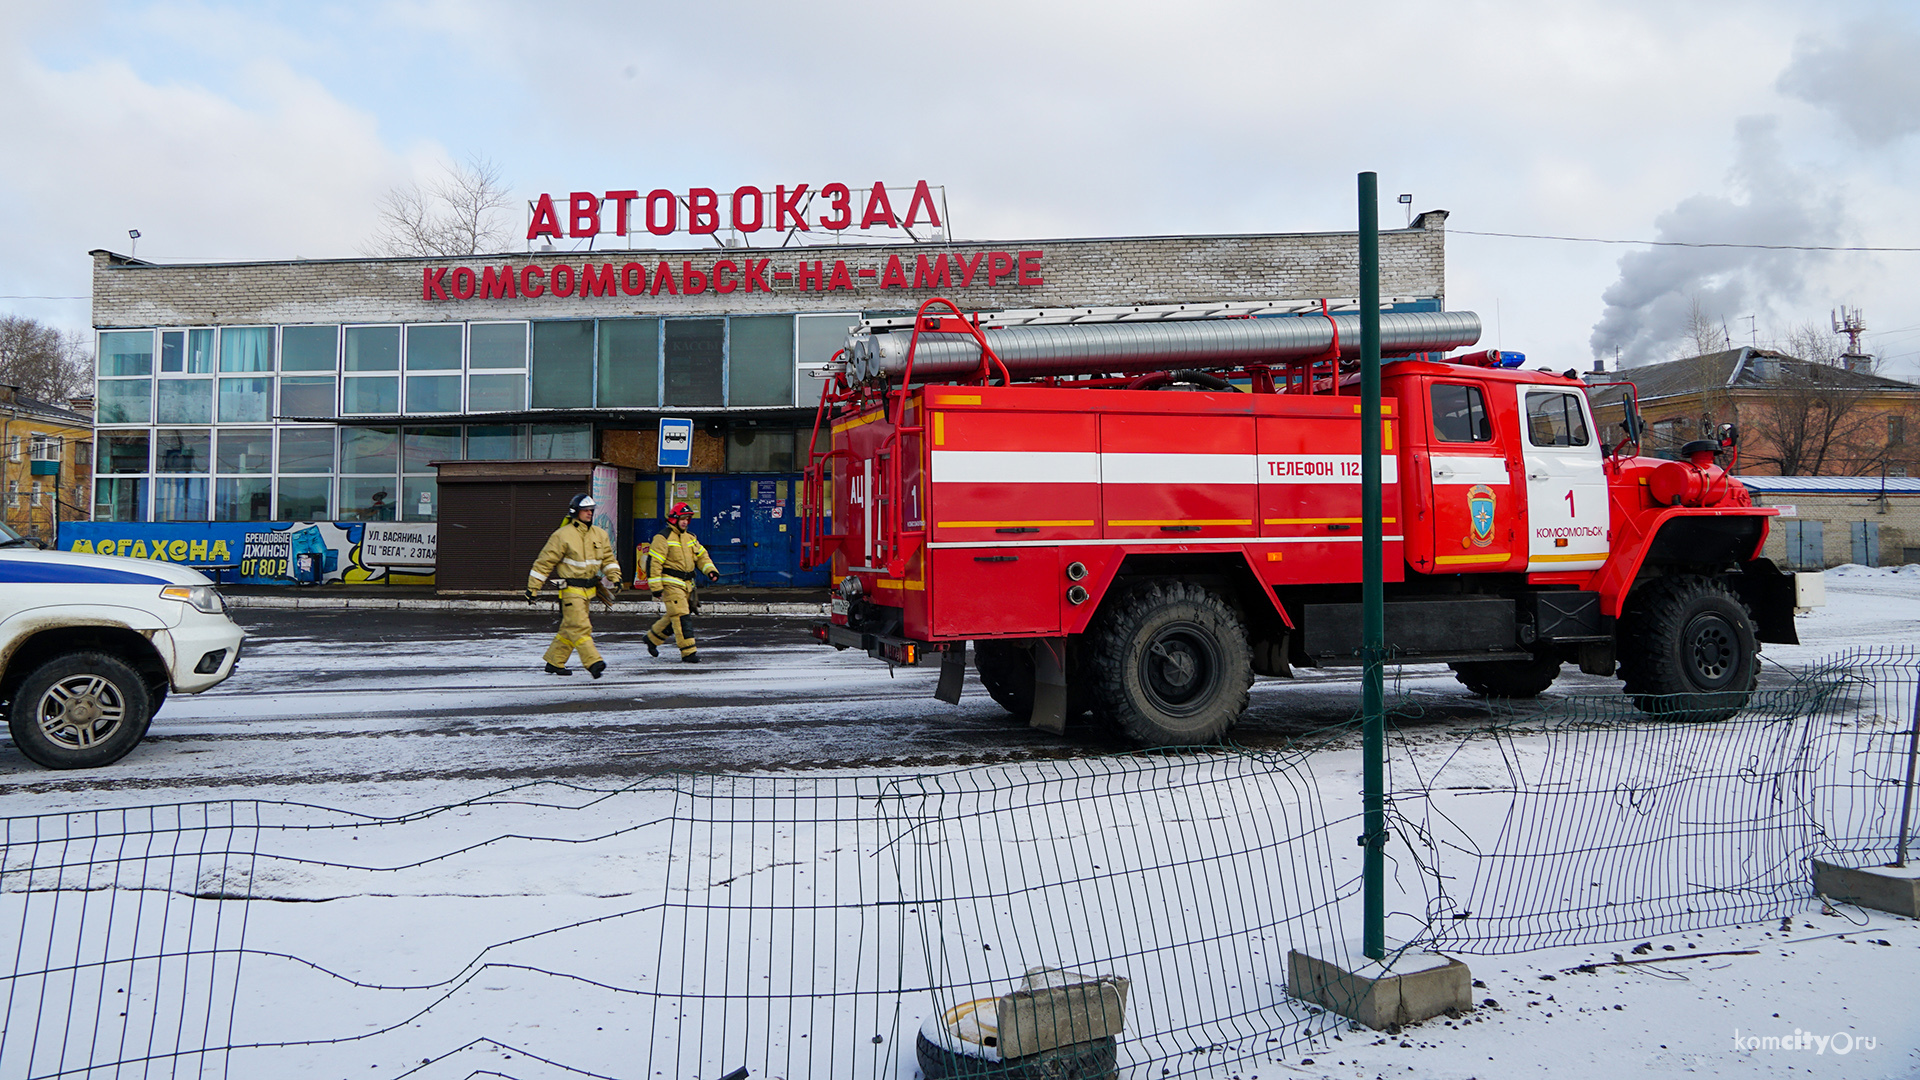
pixel 676 443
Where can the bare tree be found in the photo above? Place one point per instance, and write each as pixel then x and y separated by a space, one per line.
pixel 1811 341
pixel 1816 422
pixel 1704 335
pixel 457 215
pixel 43 362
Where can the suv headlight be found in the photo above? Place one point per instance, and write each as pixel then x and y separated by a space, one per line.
pixel 202 597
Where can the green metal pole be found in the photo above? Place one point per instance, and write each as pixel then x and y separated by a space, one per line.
pixel 1373 618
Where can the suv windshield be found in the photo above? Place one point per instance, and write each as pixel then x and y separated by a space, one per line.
pixel 8 537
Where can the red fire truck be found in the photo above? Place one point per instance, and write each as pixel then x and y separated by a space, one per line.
pixel 1133 518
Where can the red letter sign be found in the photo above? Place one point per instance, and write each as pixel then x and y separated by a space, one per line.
pixel 654 224
pixel 879 210
pixel 545 222
pixel 743 195
pixel 787 209
pixel 922 196
pixel 584 220
pixel 842 207
pixel 703 211
pixel 620 199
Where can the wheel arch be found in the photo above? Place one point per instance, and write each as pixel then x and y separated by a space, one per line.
pixel 1228 573
pixel 131 646
pixel 1682 540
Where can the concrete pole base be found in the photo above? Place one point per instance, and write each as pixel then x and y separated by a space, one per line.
pixel 1883 888
pixel 1384 995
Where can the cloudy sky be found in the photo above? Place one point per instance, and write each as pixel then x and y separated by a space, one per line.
pixel 271 130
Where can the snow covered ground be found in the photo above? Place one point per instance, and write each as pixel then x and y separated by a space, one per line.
pixel 525 934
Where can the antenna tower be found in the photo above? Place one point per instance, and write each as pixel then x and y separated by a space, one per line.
pixel 1850 322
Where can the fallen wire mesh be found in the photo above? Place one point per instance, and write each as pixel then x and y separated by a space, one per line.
pixel 804 926
pixel 1609 825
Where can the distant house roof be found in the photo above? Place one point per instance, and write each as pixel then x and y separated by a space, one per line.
pixel 1832 485
pixel 21 405
pixel 1745 368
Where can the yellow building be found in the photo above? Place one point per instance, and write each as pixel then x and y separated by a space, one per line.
pixel 47 455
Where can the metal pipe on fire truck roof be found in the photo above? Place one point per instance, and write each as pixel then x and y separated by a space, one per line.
pixel 1120 348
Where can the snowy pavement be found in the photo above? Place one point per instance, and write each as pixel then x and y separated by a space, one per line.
pixel 368 714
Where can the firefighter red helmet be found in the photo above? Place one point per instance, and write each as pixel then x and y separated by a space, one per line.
pixel 681 511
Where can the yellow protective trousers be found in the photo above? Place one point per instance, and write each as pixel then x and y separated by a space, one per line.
pixel 576 630
pixel 674 596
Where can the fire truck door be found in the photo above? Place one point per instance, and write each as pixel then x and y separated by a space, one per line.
pixel 1470 497
pixel 1567 511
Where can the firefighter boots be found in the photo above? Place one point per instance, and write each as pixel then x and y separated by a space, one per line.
pixel 652 649
pixel 556 669
pixel 597 668
pixel 690 658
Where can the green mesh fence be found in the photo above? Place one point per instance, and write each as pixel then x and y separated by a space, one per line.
pixel 808 926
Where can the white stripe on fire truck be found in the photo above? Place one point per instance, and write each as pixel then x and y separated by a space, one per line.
pixel 1080 467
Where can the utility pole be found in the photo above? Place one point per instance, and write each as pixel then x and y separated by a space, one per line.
pixel 1373 631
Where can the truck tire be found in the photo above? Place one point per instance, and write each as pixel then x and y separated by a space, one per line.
pixel 79 711
pixel 1688 651
pixel 1078 1061
pixel 1508 678
pixel 1170 665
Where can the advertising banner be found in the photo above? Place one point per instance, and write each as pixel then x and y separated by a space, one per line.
pixel 270 552
pixel 606 500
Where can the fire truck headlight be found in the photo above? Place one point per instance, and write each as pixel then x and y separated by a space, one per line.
pixel 1076 571
pixel 1076 595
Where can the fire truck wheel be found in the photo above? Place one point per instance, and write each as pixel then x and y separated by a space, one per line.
pixel 1006 670
pixel 1170 665
pixel 1508 678
pixel 1688 651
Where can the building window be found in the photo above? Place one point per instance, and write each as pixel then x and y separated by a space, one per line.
pixel 760 361
pixel 629 364
pixel 695 355
pixel 562 365
pixel 126 352
pixel 304 498
pixel 246 401
pixel 1896 431
pixel 307 396
pixel 506 442
pixel 244 450
pixel 246 348
pixel 435 350
pixel 760 449
pixel 243 498
pixel 186 401
pixel 44 448
pixel 366 498
pixel 36 496
pixel 186 352
pixel 125 453
pixel 183 451
pixel 124 401
pixel 419 483
pixel 120 499
pixel 180 498
pixel 818 337
pixel 561 442
pixel 500 349
pixel 306 450
pixel 371 349
pixel 310 348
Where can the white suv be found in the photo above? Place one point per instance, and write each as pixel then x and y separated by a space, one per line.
pixel 90 645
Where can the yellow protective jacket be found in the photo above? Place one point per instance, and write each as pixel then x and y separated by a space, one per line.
pixel 679 551
pixel 577 552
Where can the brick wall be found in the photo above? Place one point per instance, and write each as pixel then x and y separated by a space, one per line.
pixel 1899 524
pixel 1075 273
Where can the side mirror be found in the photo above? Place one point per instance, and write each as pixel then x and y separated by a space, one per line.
pixel 1729 436
pixel 1630 421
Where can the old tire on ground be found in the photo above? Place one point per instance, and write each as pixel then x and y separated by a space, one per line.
pixel 1170 665
pixel 1688 650
pixel 79 711
pixel 1508 678
pixel 1080 1061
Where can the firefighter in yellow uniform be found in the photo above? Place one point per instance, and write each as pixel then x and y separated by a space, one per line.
pixel 672 559
pixel 579 554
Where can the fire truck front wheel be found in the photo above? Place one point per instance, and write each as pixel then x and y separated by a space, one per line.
pixel 1688 650
pixel 1508 678
pixel 1170 665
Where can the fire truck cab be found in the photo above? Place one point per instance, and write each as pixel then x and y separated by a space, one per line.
pixel 1119 536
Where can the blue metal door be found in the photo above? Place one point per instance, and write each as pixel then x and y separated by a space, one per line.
pixel 723 528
